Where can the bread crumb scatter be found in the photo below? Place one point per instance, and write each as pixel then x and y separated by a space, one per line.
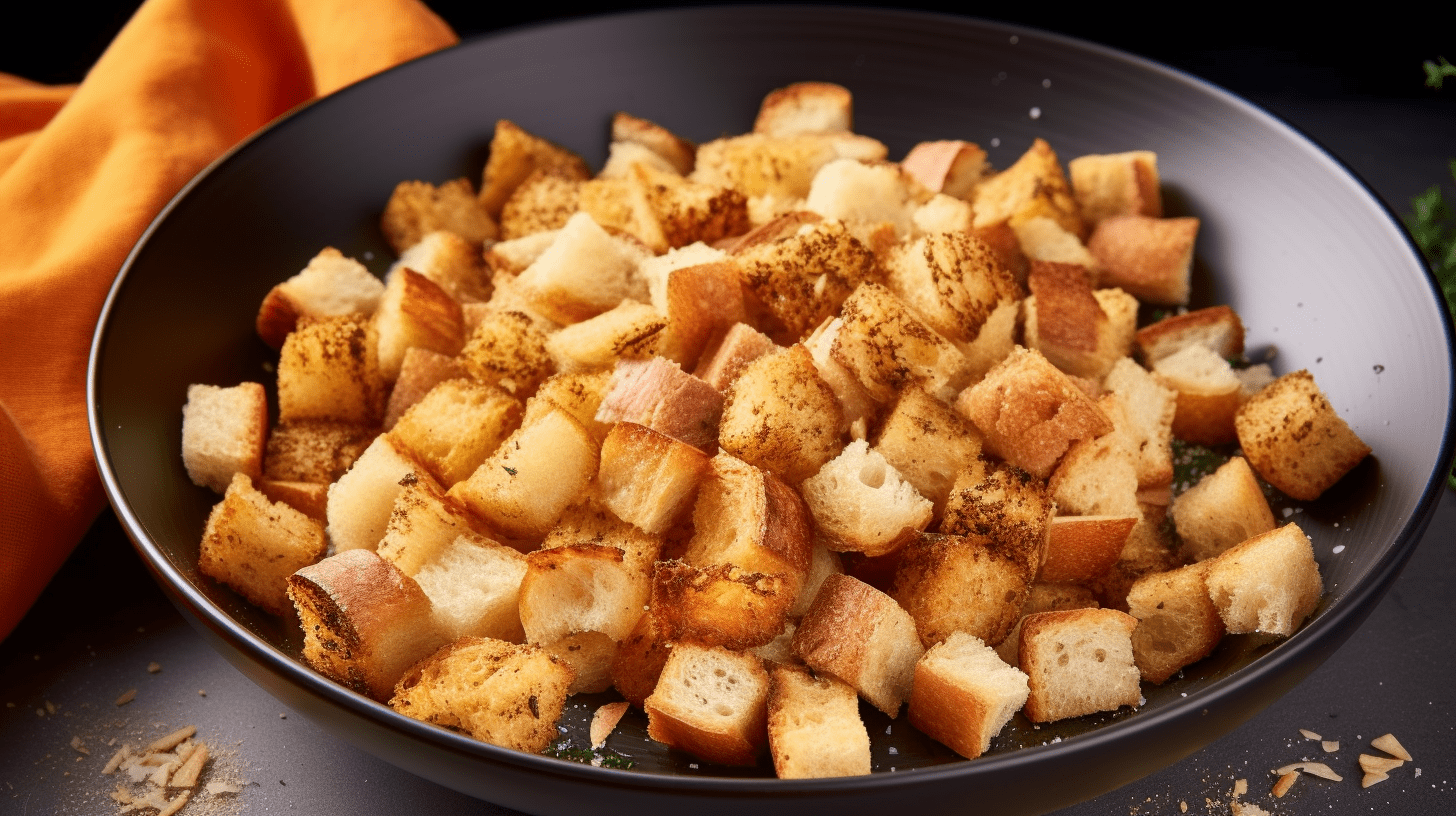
pixel 154 667
pixel 1390 745
pixel 1310 734
pixel 1330 746
pixel 126 697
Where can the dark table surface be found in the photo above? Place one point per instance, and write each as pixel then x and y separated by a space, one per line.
pixel 103 627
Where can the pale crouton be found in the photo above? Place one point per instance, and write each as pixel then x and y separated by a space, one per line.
pixel 424 522
pixel 502 693
pixel 678 153
pixel 964 694
pixel 331 285
pixel 802 279
pixel 1078 662
pixel 1098 476
pixel 649 479
pixel 419 371
pixel 361 500
pixel 328 368
pixel 508 350
pixel 863 637
pixel 628 331
pixel 415 312
pixel 1042 238
pixel 781 416
pixel 740 345
pixel 1223 509
pixel 473 584
pixel 1035 185
pixel 782 167
pixel 862 193
pixel 583 273
pixel 514 155
pixel 1208 394
pixel 719 604
pixel 224 432
pixel 660 395
pixel 583 588
pixel 364 622
pixel 456 426
pixel 1217 327
pixel 953 281
pixel 513 256
pixel 950 167
pixel 1269 583
pixel 314 450
pixel 712 703
pixel 542 202
pixel 1152 258
pixel 857 407
pixel 1081 331
pixel 1044 597
pixel 253 545
pixel 590 656
pixel 861 504
pixel 927 443
pixel 1178 623
pixel 1116 184
pixel 942 214
pixel 1294 438
pixel 887 347
pixel 814 728
pixel 1081 548
pixel 961 583
pixel 1146 420
pixel 806 107
pixel 418 208
pixel 1029 412
pixel 579 394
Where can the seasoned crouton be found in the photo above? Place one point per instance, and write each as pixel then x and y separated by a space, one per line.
pixel 1269 583
pixel 590 656
pixel 583 588
pixel 629 131
pixel 328 368
pixel 1152 258
pixel 1295 439
pixel 419 372
pixel 1005 503
pixel 474 586
pixel 689 211
pixel 961 583
pixel 224 432
pixel 950 167
pixel 1178 623
pixel 953 281
pixel 781 416
pixel 750 518
pixel 927 442
pixel 579 394
pixel 542 202
pixel 314 450
pixel 639 660
pixel 584 272
pixel 253 545
pixel 1225 508
pixel 649 479
pixel 887 347
pixel 628 331
pixel 423 524
pixel 418 208
pixel 964 694
pixel 719 604
pixel 514 155
pixel 331 285
pixel 863 637
pixel 1098 476
pixel 508 350
pixel 814 728
pixel 1078 662
pixel 1116 184
pixel 856 406
pixel 783 167
pixel 456 426
pixel 1035 185
pixel 361 500
pixel 801 280
pixel 712 703
pixel 861 504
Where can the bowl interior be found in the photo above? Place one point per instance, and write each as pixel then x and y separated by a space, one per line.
pixel 1322 276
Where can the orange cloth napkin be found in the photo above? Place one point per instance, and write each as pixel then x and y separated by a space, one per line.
pixel 85 168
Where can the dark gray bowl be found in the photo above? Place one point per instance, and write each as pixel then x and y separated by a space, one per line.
pixel 1321 273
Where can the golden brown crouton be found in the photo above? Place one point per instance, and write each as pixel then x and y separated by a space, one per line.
pixel 805 107
pixel 1152 258
pixel 719 604
pixel 1078 662
pixel 317 451
pixel 514 155
pixel 417 208
pixel 1005 503
pixel 542 202
pixel 1217 327
pixel 415 312
pixel 712 703
pixel 671 148
pixel 1034 186
pixel 649 479
pixel 331 285
pixel 783 167
pixel 660 395
pixel 253 545
pixel 329 369
pixel 1269 583
pixel 861 504
pixel 577 588
pixel 1225 508
pixel 802 279
pixel 888 348
pixel 1294 438
pixel 964 694
pixel 927 442
pixel 953 280
pixel 950 167
pixel 814 728
pixel 508 350
pixel 781 416
pixel 1081 548
pixel 1178 623
pixel 456 426
pixel 961 583
pixel 1116 184
pixel 863 637
pixel 629 331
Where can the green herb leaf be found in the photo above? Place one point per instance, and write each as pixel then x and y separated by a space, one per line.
pixel 1436 73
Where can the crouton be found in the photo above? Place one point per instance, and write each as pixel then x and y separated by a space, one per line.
pixel 802 279
pixel 308 498
pixel 583 588
pixel 1081 331
pixel 1042 238
pixel 590 656
pixel 513 256
pixel 660 395
pixel 472 582
pixel 1225 508
pixel 508 350
pixel 579 394
pixel 953 281
pixel 712 703
pixel 313 450
pixel 865 194
pixel 887 347
pixel 688 211
pixel 1078 662
pixel 781 167
pixel 450 262
pixel 514 155
pixel 1035 185
pixel 1005 503
pixel 927 443
pixel 961 583
pixel 1178 623
pixel 1044 597
pixel 1151 258
pixel 456 426
pixel 740 345
pixel 861 636
pixel 942 214
pixel 361 500
pixel 964 694
pixel 1208 394
pixel 224 432
pixel 702 302
pixel 418 208
pixel 1217 327
pixel 584 272
pixel 1098 476
pixel 1116 184
pixel 950 167
pixel 419 371
pixel 719 604
pixel 1146 420
pixel 415 312
pixel 542 202
pixel 331 285
pixel 1269 583
pixel 671 149
pixel 750 518
pixel 1081 548
pixel 856 406
pixel 628 331
pixel 328 368
pixel 638 661
pixel 1294 438
pixel 861 504
pixel 253 545
pixel 805 107
pixel 814 728
pixel 649 479
pixel 424 522
pixel 781 416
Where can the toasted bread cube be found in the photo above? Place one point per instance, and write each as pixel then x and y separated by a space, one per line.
pixel 964 694
pixel 1035 185
pixel 1078 662
pixel 805 107
pixel 1005 503
pixel 583 588
pixel 863 637
pixel 1080 548
pixel 474 585
pixel 314 450
pixel 253 545
pixel 1098 476
pixel 1217 327
pixel 660 395
pixel 702 303
pixel 364 622
pixel 751 519
pixel 361 501
pixel 1295 439
pixel 590 656
pixel 858 408
pixel 719 604
pixel 328 368
pixel 1148 411
pixel 672 150
pixel 780 167
pixel 513 256
pixel 1081 331
pixel 689 211
pixel 589 521
pixel 623 156
pixel 823 562
pixel 802 279
pixel 887 347
pixel 712 703
pixel 308 498
pixel 781 416
pixel 942 214
pixel 224 432
pixel 419 372
pixel 1269 583
pixel 1152 258
pixel 628 331
pixel 950 167
pixel 423 523
pixel 861 504
pixel 1225 508
pixel 814 728
pixel 865 193
pixel 456 426
pixel 927 443
pixel 514 155
pixel 579 394
pixel 647 478
pixel 1006 245
pixel 961 583
pixel 451 262
pixel 508 350
pixel 331 285
pixel 953 281
pixel 1029 412
pixel 584 272
pixel 1208 394
pixel 1044 597
pixel 536 472
pixel 639 660
pixel 502 693
pixel 1042 238
pixel 1178 623
pixel 1116 184
pixel 415 312
pixel 621 207
pixel 542 203
pixel 739 346
pixel 418 208
pixel 1149 549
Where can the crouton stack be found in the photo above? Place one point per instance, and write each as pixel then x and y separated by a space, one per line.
pixel 756 430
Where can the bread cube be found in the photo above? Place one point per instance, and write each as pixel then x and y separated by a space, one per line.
pixel 805 107
pixel 950 167
pixel 417 208
pixel 588 521
pixel 450 262
pixel 1269 583
pixel 314 450
pixel 536 472
pixel 801 280
pixel 328 368
pixel 1005 503
pixel 512 257
pixel 472 582
pixel 542 203
pixel 1225 508
pixel 1116 184
pixel 584 272
pixel 823 562
pixel 419 371
pixel 701 302
pixel 621 207
pixel 814 728
pixel 1081 331
pixel 1078 662
pixel 1029 412
pixel 861 504
pixel 1151 258
pixel 663 397
pixel 740 345
pixel 953 280
pixel 712 703
pixel 514 155
pixel 502 693
pixel 590 656
pixel 508 350
pixel 253 545
pixel 690 211
pixel 750 518
pixel 423 523
pixel 858 408
pixel 364 622
pixel 579 394
pixel 927 443
pixel 673 150
pixel 781 416
pixel 583 588
pixel 863 637
pixel 628 331
pixel 1035 185
pixel 1044 597
pixel 780 167
pixel 1216 327
pixel 331 285
pixel 308 498
pixel 1042 238
pixel 1098 477
pixel 638 661
pixel 964 694
pixel 1146 420
pixel 961 583
pixel 1148 549
pixel 224 432
pixel 415 312
pixel 457 425
pixel 1208 394
pixel 361 501
pixel 942 214
pixel 1178 623
pixel 647 478
pixel 887 347
pixel 1295 439
pixel 719 604
pixel 865 193
pixel 1081 548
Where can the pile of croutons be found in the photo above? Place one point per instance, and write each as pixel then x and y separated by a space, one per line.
pixel 752 430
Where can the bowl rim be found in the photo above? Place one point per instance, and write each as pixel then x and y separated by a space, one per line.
pixel 1315 640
